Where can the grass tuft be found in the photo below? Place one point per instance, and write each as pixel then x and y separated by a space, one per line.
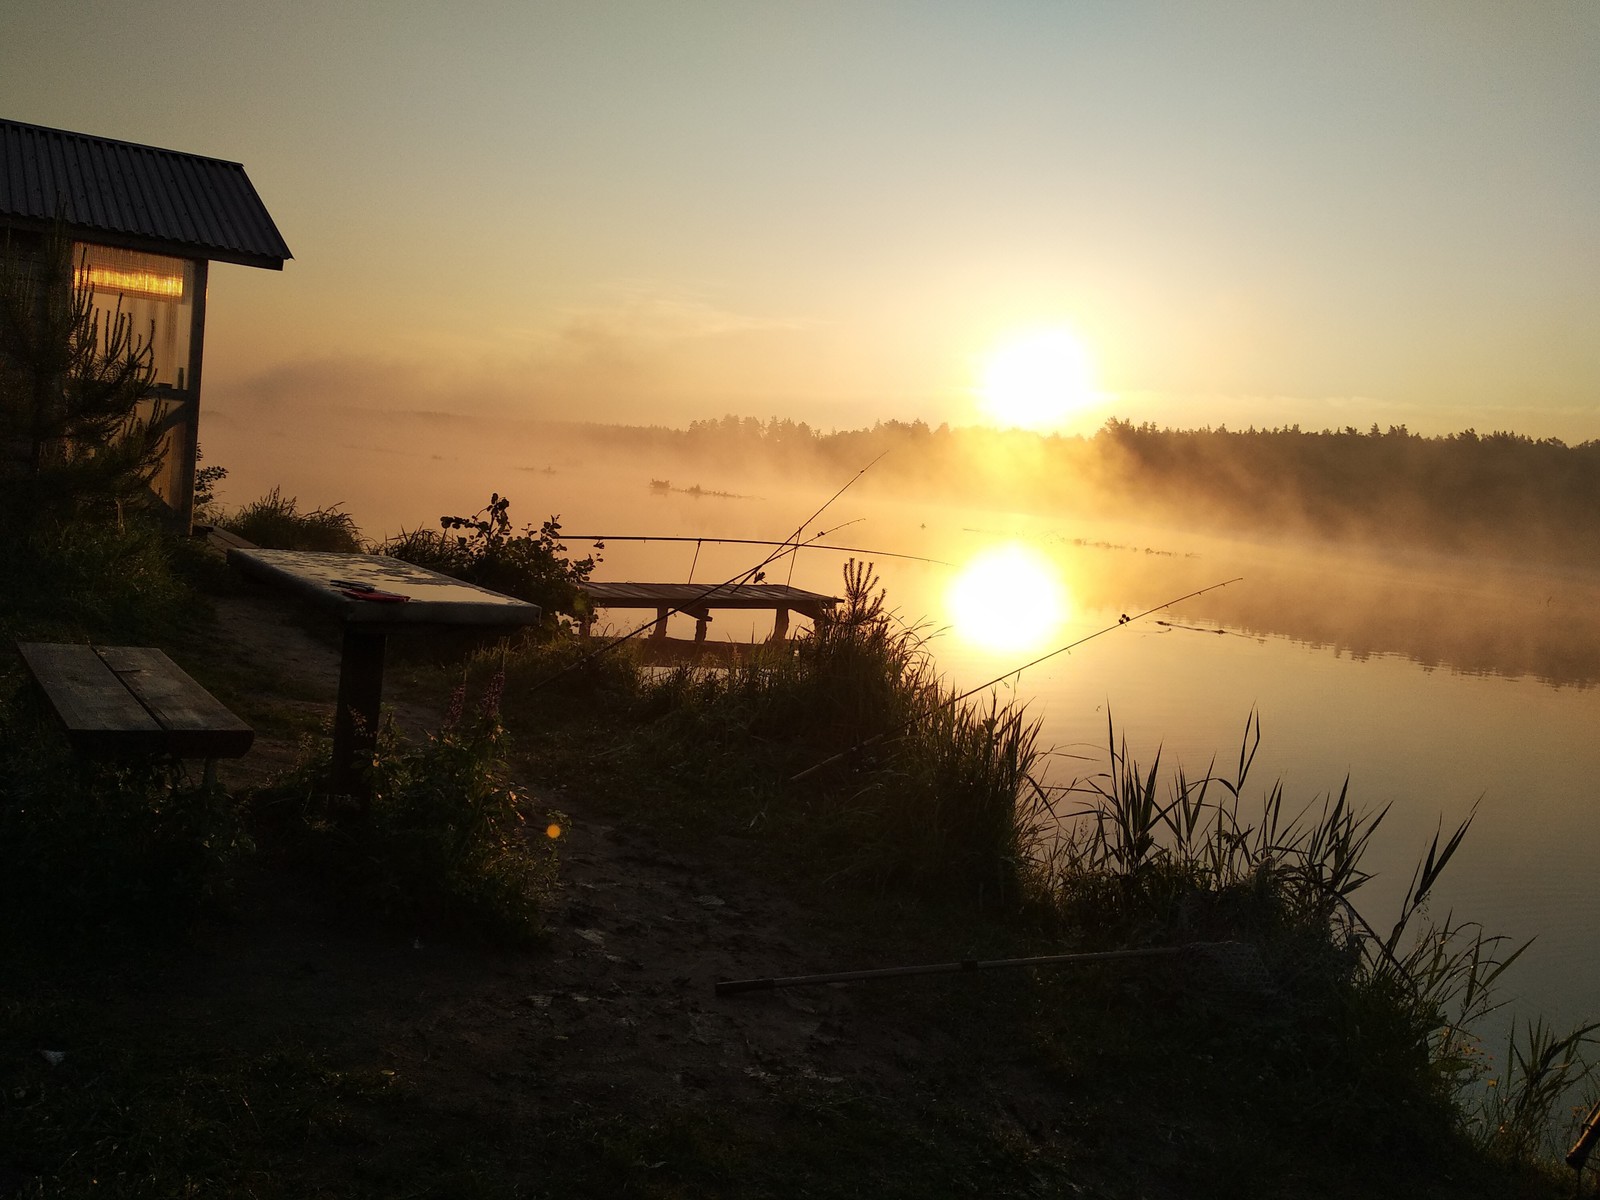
pixel 276 523
pixel 447 837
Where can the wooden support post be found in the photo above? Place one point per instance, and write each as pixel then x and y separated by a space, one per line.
pixel 355 720
pixel 780 625
pixel 660 631
pixel 702 618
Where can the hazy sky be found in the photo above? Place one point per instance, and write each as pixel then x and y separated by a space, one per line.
pixel 653 211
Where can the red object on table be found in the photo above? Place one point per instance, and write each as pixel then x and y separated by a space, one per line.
pixel 380 597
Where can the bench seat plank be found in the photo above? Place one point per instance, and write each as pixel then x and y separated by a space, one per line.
pixel 196 723
pixel 99 714
pixel 132 700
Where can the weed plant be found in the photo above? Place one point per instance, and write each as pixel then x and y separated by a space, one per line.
pixel 89 576
pixel 89 845
pixel 276 522
pixel 446 838
pixel 485 549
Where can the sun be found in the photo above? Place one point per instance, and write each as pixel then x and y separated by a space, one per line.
pixel 1038 380
pixel 1009 598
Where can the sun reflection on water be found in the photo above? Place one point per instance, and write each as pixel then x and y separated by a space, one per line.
pixel 1008 598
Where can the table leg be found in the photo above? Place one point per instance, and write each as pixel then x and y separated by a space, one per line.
pixel 355 720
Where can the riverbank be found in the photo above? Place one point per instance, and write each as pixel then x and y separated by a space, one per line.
pixel 293 1044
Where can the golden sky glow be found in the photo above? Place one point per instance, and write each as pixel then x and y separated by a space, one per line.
pixel 1325 214
pixel 1036 380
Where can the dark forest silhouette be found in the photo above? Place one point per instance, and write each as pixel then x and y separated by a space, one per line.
pixel 1500 494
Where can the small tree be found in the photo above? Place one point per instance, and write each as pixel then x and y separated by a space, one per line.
pixel 72 384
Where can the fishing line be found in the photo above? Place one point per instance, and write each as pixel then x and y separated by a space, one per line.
pixel 809 545
pixel 1124 619
pixel 851 482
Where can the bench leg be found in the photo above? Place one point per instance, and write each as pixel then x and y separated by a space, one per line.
pixel 355 719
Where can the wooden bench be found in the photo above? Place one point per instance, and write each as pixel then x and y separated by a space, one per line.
pixel 133 700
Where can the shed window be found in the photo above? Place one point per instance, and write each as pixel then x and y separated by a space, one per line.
pixel 156 294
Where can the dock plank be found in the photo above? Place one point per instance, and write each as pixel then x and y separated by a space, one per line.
pixel 744 595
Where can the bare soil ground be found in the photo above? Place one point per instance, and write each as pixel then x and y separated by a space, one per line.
pixel 613 1016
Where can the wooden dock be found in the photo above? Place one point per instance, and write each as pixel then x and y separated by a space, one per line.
pixel 698 599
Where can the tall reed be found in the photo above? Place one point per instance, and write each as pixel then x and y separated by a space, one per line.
pixel 1129 861
pixel 922 790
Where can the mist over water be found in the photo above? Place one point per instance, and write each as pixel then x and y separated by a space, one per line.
pixel 1435 683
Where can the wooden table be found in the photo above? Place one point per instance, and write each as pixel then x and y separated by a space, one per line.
pixel 430 599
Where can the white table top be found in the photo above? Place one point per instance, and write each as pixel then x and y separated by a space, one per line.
pixel 433 599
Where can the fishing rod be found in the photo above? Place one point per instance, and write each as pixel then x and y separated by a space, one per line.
pixel 1236 958
pixel 617 537
pixel 788 546
pixel 1124 619
pixel 798 529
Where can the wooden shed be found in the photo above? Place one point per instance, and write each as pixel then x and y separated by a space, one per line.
pixel 146 224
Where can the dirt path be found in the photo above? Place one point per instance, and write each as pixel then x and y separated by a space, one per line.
pixel 616 1008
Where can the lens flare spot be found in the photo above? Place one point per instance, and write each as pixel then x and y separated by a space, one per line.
pixel 552 831
pixel 1008 598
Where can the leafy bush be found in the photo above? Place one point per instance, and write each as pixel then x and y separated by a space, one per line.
pixel 483 549
pixel 207 510
pixel 276 523
pixel 446 835
pixel 87 845
pixel 88 575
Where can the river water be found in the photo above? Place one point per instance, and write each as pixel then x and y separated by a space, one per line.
pixel 1438 688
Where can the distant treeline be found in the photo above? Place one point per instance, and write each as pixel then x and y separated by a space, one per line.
pixel 1500 493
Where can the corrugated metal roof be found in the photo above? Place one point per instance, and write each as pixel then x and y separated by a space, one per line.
pixel 201 207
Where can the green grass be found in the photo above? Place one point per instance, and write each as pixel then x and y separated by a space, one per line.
pixel 276 522
pixel 116 581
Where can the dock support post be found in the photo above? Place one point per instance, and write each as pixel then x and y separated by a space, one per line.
pixel 780 625
pixel 660 631
pixel 702 617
